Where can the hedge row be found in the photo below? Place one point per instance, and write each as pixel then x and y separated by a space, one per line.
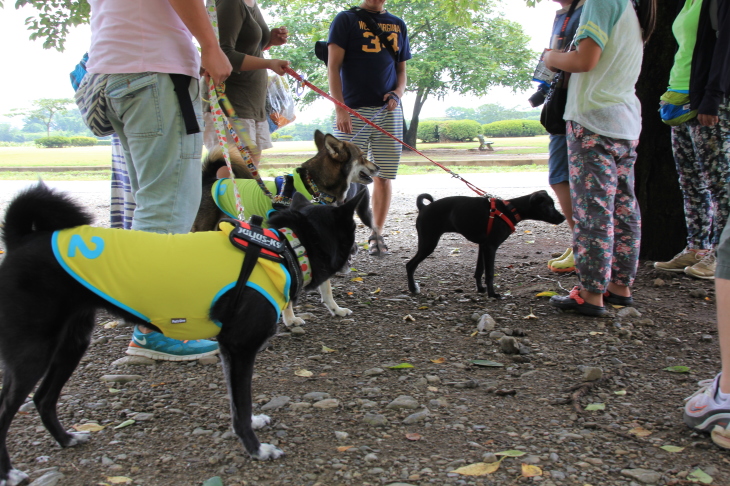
pixel 513 128
pixel 467 130
pixel 58 142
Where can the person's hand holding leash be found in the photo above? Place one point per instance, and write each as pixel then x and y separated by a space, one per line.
pixel 708 120
pixel 278 66
pixel 392 98
pixel 216 64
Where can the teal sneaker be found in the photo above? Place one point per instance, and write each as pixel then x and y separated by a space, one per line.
pixel 156 346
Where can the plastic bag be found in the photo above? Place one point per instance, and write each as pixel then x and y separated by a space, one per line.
pixel 279 103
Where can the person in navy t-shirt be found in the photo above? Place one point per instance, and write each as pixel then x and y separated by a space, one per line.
pixel 365 76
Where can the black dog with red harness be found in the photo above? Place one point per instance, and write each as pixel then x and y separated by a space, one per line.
pixel 484 221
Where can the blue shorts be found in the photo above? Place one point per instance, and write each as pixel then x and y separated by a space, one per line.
pixel 723 255
pixel 558 160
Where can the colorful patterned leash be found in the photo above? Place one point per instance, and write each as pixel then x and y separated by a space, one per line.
pixel 306 83
pixel 215 109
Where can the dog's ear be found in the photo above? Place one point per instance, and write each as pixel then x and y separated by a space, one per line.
pixel 335 148
pixel 298 201
pixel 318 139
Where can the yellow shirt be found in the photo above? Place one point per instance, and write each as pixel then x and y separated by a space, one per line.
pixel 171 281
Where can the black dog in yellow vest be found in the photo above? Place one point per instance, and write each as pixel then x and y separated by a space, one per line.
pixel 58 271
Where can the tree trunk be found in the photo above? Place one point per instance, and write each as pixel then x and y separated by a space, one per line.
pixel 412 133
pixel 663 229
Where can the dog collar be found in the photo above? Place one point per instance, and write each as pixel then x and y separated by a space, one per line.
pixel 301 254
pixel 317 196
pixel 496 213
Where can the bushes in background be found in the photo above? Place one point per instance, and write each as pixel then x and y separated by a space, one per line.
pixel 51 142
pixel 458 130
pixel 513 128
pixel 56 141
pixel 428 131
pixel 82 141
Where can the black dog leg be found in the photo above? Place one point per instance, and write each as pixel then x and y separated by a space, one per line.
pixel 479 270
pixel 238 368
pixel 426 245
pixel 65 360
pixel 18 382
pixel 488 254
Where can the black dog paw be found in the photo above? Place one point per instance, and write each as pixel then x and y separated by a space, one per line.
pixel 414 288
pixel 495 296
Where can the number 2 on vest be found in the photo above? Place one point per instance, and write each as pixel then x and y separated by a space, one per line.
pixel 77 242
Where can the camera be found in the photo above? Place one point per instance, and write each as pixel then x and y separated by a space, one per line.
pixel 539 96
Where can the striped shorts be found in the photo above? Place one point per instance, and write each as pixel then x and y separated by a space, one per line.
pixel 378 147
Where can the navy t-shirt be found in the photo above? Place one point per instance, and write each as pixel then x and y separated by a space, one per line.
pixel 570 28
pixel 368 71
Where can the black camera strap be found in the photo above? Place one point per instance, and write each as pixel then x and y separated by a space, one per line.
pixel 565 23
pixel 375 29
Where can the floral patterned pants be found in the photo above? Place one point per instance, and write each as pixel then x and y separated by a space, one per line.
pixel 701 156
pixel 607 229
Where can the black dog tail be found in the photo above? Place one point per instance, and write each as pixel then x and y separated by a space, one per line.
pixel 215 160
pixel 419 200
pixel 40 208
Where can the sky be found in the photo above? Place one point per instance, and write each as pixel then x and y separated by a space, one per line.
pixel 34 72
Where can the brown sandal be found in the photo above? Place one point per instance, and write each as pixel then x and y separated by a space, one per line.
pixel 377 246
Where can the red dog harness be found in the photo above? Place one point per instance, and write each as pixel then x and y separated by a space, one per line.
pixel 494 212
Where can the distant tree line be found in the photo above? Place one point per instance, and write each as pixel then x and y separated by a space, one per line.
pixel 491 113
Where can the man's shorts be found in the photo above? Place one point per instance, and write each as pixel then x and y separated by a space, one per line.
pixel 558 160
pixel 257 130
pixel 377 146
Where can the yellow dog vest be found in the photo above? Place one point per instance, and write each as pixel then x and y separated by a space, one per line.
pixel 171 281
pixel 253 199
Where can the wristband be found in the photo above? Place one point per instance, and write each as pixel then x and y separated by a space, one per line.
pixel 393 96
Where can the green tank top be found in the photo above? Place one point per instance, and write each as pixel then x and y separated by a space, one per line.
pixel 684 29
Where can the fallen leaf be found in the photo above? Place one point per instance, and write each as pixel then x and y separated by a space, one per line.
pixel 114 390
pixel 376 291
pixel 478 469
pixel 616 306
pixel 699 476
pixel 670 448
pixel 596 406
pixel 596 333
pixel 325 349
pixel 344 448
pixel 119 480
pixel 486 362
pixel 547 293
pixel 350 293
pixel 111 325
pixel 620 392
pixel 528 232
pixel 529 471
pixel 303 373
pixel 438 360
pixel 401 366
pixel 356 279
pixel 413 436
pixel 454 251
pixel 90 427
pixel 510 453
pixel 640 432
pixel 214 481
pixel 126 423
pixel 409 317
pixel 423 307
pixel 474 334
pixel 677 369
pixel 530 315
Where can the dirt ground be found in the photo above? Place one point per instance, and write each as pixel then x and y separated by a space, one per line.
pixel 357 420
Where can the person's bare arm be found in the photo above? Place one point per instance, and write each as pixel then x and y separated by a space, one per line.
pixel 195 17
pixel 251 63
pixel 581 60
pixel 335 57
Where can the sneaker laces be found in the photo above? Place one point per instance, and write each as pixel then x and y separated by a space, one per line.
pixel 705 387
pixel 709 258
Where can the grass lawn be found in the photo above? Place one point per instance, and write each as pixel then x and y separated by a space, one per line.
pixel 290 154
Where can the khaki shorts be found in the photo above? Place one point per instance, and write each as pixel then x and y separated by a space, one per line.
pixel 257 130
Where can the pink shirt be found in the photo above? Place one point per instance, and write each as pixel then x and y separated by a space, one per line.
pixel 137 36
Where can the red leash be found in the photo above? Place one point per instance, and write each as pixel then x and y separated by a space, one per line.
pixel 306 83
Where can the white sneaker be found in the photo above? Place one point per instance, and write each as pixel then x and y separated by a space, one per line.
pixel 702 410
